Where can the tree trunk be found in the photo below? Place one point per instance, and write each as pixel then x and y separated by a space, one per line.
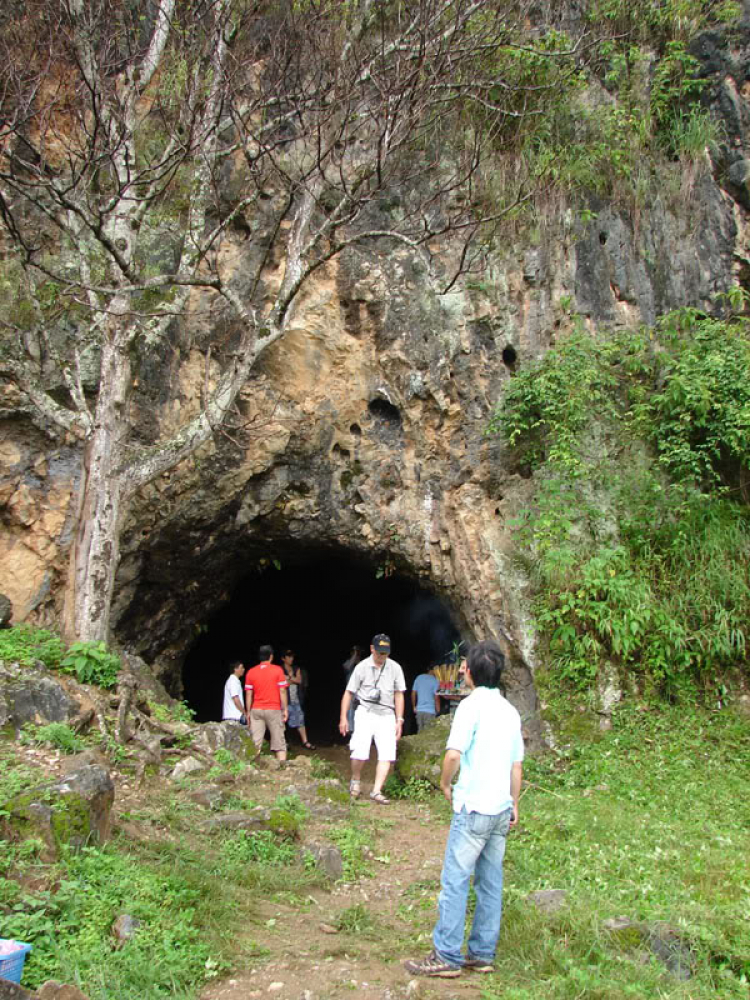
pixel 102 503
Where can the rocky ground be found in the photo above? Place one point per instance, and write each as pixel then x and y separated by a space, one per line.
pixel 326 942
pixel 310 959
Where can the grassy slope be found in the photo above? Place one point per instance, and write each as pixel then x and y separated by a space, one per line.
pixel 648 821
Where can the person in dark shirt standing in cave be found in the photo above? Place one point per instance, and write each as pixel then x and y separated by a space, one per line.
pixel 297 688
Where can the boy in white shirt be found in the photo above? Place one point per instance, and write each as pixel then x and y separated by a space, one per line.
pixel 233 698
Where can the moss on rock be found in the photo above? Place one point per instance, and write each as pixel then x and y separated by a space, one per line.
pixel 284 824
pixel 421 756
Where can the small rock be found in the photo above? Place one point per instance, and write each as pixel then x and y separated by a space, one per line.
pixel 327 929
pixel 187 766
pixel 617 923
pixel 413 988
pixel 12 991
pixel 275 987
pixel 52 990
pixel 124 928
pixel 548 900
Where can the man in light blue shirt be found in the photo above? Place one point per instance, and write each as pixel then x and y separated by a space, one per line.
pixel 485 742
pixel 425 700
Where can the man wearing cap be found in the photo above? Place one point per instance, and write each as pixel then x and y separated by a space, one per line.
pixel 378 683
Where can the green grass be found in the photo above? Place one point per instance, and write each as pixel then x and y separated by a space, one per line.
pixel 650 821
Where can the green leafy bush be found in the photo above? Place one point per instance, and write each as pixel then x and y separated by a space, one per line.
pixel 25 644
pixel 92 663
pixel 176 711
pixel 54 734
pixel 260 846
pixel 640 563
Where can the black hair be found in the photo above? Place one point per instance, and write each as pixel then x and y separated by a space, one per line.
pixel 486 662
pixel 288 652
pixel 265 653
pixel 234 664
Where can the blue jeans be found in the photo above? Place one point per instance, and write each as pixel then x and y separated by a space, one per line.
pixel 476 843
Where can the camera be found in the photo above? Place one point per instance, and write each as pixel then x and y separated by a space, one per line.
pixel 375 695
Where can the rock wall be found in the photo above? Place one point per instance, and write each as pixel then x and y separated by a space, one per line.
pixel 364 428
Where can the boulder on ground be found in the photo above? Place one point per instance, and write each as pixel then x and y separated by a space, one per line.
pixel 12 991
pixel 328 858
pixel 421 755
pixel 32 695
pixel 148 682
pixel 212 736
pixel 71 812
pixel 52 990
pixel 6 611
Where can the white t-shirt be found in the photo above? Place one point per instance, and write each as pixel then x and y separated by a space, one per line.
pixel 232 687
pixel 486 731
pixel 366 679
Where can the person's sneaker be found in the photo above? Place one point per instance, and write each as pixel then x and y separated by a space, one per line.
pixel 433 965
pixel 478 964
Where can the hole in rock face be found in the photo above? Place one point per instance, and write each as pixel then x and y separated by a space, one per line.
pixel 319 607
pixel 385 412
pixel 510 356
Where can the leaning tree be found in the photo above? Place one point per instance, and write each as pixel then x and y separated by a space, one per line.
pixel 116 115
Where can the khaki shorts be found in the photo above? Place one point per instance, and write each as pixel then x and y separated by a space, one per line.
pixel 260 718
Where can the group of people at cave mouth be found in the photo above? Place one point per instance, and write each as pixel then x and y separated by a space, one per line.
pixel 481 774
pixel 270 697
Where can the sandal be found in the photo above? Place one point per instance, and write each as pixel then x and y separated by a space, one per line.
pixel 355 788
pixel 380 798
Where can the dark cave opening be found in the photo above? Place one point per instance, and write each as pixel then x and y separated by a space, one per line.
pixel 319 606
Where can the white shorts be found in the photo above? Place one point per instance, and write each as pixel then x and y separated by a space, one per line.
pixel 369 726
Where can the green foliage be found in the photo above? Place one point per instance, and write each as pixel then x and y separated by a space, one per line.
pixel 356 919
pixel 92 663
pixel 25 644
pixel 414 789
pixel 700 422
pixel 71 928
pixel 321 769
pixel 292 804
pixel 226 762
pixel 54 734
pixel 258 846
pixel 641 565
pixel 352 841
pixel 179 711
pixel 547 407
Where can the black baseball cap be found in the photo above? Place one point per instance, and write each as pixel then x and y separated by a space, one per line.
pixel 381 643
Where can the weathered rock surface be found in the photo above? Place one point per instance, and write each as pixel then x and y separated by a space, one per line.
pixel 71 812
pixel 328 858
pixel 226 735
pixel 12 991
pixel 421 756
pixel 362 430
pixel 32 695
pixel 52 990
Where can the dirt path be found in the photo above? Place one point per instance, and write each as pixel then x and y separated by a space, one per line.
pixel 310 960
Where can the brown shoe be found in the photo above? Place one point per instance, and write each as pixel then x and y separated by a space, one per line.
pixel 433 965
pixel 478 964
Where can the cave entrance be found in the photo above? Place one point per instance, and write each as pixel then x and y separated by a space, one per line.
pixel 319 604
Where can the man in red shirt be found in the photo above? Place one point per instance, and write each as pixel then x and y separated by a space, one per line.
pixel 266 703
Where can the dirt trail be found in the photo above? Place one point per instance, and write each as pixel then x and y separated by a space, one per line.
pixel 310 961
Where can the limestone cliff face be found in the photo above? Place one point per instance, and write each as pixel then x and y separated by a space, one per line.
pixel 363 429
